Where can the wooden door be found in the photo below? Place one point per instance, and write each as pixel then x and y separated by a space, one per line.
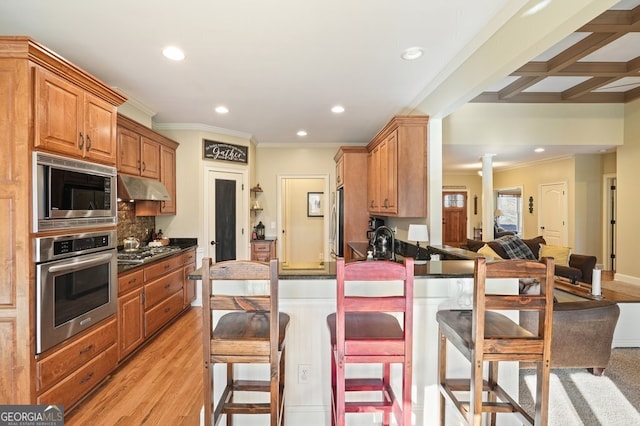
pixel 454 218
pixel 149 158
pixel 128 151
pixel 99 130
pixel 168 178
pixel 59 110
pixel 389 174
pixel 373 180
pixel 552 217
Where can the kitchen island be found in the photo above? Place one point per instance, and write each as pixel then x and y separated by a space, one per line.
pixel 309 295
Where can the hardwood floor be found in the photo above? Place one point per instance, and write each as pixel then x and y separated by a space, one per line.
pixel 160 385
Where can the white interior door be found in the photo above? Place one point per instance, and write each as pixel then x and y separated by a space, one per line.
pixel 225 215
pixel 552 216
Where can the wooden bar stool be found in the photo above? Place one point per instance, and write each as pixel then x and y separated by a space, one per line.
pixel 253 332
pixel 365 329
pixel 483 335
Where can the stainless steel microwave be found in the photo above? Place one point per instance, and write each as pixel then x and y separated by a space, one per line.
pixel 70 193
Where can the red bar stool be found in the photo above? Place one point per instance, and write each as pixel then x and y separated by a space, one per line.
pixel 365 330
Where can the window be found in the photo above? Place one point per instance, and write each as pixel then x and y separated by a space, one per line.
pixel 509 202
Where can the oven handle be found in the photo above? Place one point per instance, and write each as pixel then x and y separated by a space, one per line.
pixel 80 264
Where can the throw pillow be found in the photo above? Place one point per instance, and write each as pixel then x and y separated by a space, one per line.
pixel 475 245
pixel 488 252
pixel 560 254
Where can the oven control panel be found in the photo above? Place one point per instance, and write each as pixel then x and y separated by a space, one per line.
pixel 61 246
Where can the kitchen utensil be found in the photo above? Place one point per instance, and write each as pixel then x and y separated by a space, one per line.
pixel 131 244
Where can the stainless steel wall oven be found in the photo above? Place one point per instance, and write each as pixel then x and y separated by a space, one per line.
pixel 72 194
pixel 76 284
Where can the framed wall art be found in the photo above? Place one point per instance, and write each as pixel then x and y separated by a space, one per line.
pixel 315 204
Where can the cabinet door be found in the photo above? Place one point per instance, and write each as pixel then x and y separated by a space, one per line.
pixel 389 174
pixel 340 172
pixel 59 109
pixel 99 128
pixel 189 285
pixel 373 181
pixel 168 178
pixel 128 151
pixel 150 158
pixel 130 322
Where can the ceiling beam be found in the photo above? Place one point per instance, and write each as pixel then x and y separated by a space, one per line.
pixel 586 87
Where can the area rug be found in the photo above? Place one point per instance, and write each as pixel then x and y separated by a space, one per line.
pixel 579 398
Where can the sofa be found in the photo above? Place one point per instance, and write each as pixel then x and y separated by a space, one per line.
pixel 580 267
pixel 582 333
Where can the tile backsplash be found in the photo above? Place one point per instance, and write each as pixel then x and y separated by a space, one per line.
pixel 129 224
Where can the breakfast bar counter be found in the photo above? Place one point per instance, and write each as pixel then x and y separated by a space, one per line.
pixel 309 295
pixel 436 269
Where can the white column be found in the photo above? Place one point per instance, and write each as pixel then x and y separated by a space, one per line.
pixel 487 197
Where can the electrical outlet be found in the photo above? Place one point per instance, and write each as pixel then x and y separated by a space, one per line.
pixel 321 256
pixel 304 371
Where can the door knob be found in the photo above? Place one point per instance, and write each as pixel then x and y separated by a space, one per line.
pixel 213 243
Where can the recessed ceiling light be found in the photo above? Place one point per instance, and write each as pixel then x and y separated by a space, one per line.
pixel 301 133
pixel 538 150
pixel 173 53
pixel 338 109
pixel 222 109
pixel 412 53
pixel 536 7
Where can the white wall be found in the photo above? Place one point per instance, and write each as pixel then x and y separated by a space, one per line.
pixel 628 174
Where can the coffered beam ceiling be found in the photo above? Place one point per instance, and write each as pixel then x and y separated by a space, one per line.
pixel 610 26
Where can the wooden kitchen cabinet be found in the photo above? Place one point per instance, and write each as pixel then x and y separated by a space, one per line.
pixel 146 153
pixel 340 172
pixel 74 387
pixel 138 155
pixel 189 261
pixel 71 121
pixel 54 366
pixel 398 168
pixel 263 250
pixel 147 299
pixel 354 161
pixel 45 102
pixel 67 373
pixel 130 322
pixel 168 177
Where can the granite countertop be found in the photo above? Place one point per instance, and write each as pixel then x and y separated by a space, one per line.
pixel 183 243
pixel 435 269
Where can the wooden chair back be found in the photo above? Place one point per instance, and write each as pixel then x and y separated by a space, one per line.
pixel 248 331
pixel 240 270
pixel 400 303
pixel 497 337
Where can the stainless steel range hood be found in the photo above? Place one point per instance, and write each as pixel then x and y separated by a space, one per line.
pixel 136 188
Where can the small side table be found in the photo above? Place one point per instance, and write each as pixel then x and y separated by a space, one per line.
pixel 263 250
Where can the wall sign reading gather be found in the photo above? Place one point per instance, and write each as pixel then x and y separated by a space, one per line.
pixel 224 151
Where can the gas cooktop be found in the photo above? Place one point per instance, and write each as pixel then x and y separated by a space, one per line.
pixel 145 254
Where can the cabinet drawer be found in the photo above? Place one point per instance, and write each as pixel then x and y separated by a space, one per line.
pixel 161 268
pixel 157 291
pixel 71 356
pixel 71 389
pixel 189 257
pixel 159 315
pixel 261 247
pixel 130 281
